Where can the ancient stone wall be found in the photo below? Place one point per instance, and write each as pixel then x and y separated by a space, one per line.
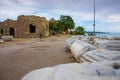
pixel 7 25
pixel 26 26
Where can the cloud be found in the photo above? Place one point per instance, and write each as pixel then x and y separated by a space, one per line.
pixel 12 8
pixel 107 11
pixel 114 18
pixel 26 2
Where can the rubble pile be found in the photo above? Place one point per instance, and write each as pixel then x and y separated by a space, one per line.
pixel 93 49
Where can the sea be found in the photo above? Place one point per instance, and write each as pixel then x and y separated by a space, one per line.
pixel 105 34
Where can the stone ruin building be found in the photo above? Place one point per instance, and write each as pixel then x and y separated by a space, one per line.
pixel 25 27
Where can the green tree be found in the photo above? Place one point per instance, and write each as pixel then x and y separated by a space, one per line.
pixel 52 25
pixel 79 31
pixel 65 23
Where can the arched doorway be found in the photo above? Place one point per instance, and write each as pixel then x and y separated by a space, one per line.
pixel 32 28
pixel 1 31
pixel 12 32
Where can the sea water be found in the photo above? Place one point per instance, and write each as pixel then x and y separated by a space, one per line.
pixel 108 34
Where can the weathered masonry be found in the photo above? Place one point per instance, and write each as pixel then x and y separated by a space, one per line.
pixel 25 27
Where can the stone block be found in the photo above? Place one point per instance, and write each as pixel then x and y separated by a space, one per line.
pixel 7 38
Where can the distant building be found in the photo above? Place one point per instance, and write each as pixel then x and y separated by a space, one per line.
pixel 25 27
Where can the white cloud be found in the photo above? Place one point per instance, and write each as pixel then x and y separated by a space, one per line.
pixel 114 18
pixel 27 2
pixel 12 9
pixel 80 10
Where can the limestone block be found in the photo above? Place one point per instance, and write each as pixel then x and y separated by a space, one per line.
pixel 7 38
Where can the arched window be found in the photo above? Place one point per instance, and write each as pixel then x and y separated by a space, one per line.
pixel 32 28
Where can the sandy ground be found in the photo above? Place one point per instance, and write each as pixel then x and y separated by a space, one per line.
pixel 20 56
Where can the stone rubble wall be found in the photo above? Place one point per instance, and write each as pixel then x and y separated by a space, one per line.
pixel 21 26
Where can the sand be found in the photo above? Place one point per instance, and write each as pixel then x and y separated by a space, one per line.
pixel 20 56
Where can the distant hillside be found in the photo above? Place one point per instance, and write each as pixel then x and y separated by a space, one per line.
pixel 97 32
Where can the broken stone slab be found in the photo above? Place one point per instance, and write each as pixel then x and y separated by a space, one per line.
pixel 79 47
pixel 83 59
pixel 92 39
pixel 70 41
pixel 75 71
pixel 114 41
pixel 7 38
pixel 78 36
pixel 113 38
pixel 85 39
pixel 101 43
pixel 108 44
pixel 113 47
pixel 100 55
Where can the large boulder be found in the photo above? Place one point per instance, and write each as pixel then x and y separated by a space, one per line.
pixel 76 71
pixel 78 48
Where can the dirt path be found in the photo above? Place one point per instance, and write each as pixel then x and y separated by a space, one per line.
pixel 20 56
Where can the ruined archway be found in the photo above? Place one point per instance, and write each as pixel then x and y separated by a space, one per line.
pixel 12 32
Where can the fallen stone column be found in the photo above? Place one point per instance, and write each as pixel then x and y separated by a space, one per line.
pixel 100 55
pixel 78 48
pixel 115 47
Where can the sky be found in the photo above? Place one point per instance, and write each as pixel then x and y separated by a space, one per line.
pixel 81 11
